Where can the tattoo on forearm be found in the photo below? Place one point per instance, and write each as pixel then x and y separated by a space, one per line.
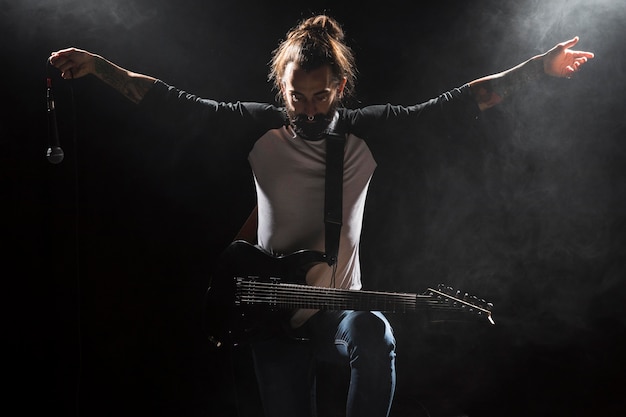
pixel 485 95
pixel 136 88
pixel 133 88
pixel 518 78
pixel 492 90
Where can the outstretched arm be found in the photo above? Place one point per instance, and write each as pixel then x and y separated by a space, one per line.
pixel 76 63
pixel 559 61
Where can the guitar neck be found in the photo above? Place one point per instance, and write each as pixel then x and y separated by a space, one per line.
pixel 291 296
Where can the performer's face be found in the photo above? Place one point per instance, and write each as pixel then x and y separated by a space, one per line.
pixel 310 99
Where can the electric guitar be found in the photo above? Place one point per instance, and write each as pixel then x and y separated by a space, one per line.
pixel 252 294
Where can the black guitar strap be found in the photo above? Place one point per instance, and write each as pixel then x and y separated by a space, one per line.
pixel 333 204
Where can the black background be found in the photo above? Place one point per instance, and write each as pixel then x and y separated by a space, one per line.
pixel 107 255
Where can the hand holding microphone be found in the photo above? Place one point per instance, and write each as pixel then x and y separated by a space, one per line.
pixel 72 63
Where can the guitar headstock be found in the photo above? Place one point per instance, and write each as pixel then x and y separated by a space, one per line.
pixel 458 300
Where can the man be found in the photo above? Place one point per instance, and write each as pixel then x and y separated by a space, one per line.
pixel 313 71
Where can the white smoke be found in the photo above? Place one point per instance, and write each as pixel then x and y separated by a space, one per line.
pixel 29 17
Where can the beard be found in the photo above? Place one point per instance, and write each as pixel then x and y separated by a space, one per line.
pixel 314 128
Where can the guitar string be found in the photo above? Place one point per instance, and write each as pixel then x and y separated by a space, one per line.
pixel 343 305
pixel 266 293
pixel 324 294
pixel 322 291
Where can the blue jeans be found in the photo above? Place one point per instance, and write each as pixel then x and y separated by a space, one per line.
pixel 362 340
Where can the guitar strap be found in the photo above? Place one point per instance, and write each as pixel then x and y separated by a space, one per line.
pixel 333 204
pixel 333 200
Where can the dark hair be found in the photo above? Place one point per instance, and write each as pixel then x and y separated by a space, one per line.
pixel 315 42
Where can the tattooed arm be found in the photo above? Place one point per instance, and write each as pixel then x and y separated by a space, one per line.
pixel 76 63
pixel 559 61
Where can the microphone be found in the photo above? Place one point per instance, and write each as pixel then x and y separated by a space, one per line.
pixel 55 153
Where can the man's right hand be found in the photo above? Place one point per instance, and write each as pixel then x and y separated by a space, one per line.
pixel 76 63
pixel 73 62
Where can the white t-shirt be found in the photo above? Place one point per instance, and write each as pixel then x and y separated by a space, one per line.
pixel 289 174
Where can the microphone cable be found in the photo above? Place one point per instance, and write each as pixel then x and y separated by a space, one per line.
pixel 76 235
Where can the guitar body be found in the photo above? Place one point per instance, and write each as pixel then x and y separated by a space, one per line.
pixel 244 271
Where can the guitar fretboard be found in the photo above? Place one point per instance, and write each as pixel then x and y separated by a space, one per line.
pixel 281 295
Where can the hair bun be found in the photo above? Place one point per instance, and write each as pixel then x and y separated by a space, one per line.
pixel 323 24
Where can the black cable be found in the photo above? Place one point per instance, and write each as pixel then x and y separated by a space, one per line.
pixel 76 217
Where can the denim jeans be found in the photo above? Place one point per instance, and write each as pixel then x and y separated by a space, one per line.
pixel 362 340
